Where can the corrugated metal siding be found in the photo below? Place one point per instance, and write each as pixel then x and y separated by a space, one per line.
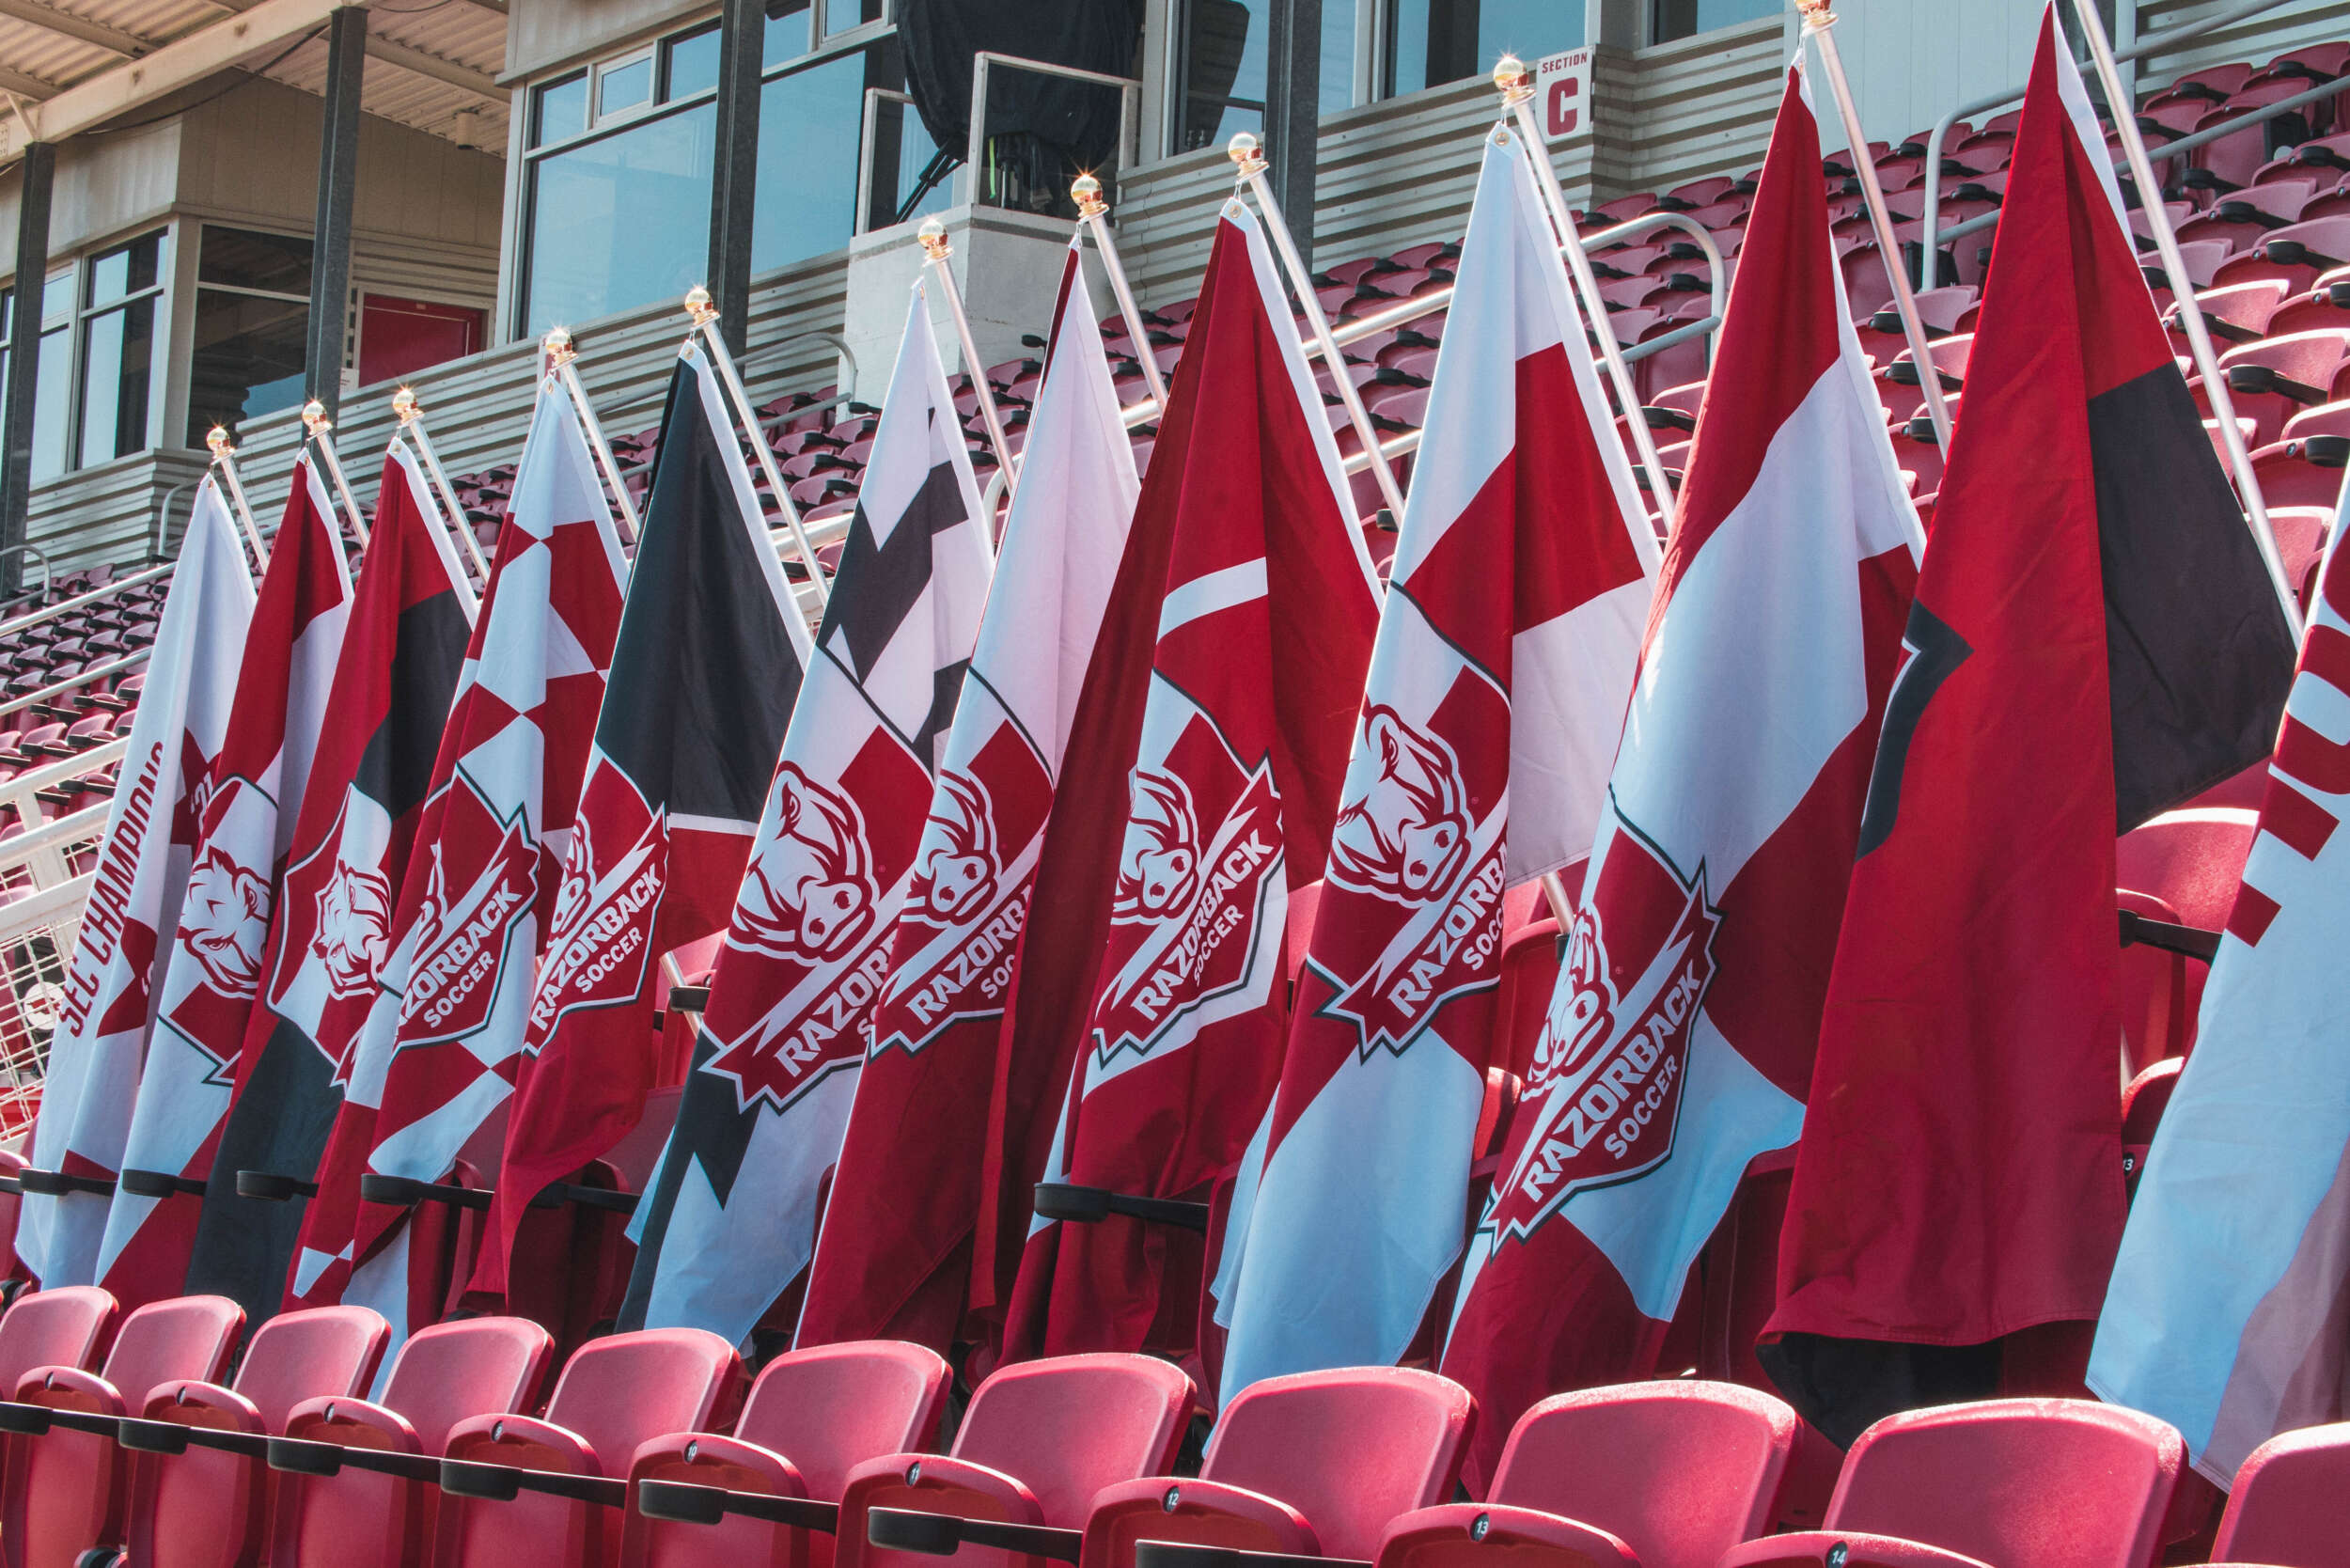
pixel 2290 25
pixel 107 514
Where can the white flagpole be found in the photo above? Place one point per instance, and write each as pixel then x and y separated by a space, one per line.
pixel 411 417
pixel 2120 102
pixel 1086 191
pixel 319 427
pixel 705 316
pixel 1516 85
pixel 1249 163
pixel 556 345
pixel 224 458
pixel 939 250
pixel 1818 25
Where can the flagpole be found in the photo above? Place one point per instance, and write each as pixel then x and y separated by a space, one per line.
pixel 411 417
pixel 224 458
pixel 319 427
pixel 1249 162
pixel 1093 213
pixel 2120 103
pixel 1516 85
pixel 1818 25
pixel 939 250
pixel 705 317
pixel 556 345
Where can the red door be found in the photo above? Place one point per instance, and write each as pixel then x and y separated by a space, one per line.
pixel 399 338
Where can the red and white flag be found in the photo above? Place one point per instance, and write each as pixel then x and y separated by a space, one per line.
pixel 131 925
pixel 889 1263
pixel 436 1056
pixel 1679 1041
pixel 1505 651
pixel 1264 607
pixel 251 795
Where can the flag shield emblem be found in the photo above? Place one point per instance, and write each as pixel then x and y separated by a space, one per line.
pixel 484 877
pixel 602 934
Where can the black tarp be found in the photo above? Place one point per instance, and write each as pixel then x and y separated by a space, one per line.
pixel 1077 121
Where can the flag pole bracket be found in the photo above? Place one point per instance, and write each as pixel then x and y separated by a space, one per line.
pixel 160 1184
pixel 58 1183
pixel 271 1187
pixel 406 1192
pixel 1083 1205
pixel 907 1530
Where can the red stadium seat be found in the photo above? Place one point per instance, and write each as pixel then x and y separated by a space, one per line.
pixel 2192 859
pixel 812 1416
pixel 614 1395
pixel 2293 474
pixel 205 1503
pixel 1315 1463
pixel 2143 1101
pixel 53 1328
pixel 1039 1442
pixel 2159 990
pixel 2018 1484
pixel 364 1518
pixel 2269 382
pixel 1668 1474
pixel 2286 1506
pixel 2297 254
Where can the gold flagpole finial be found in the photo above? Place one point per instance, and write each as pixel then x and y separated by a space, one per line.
pixel 1816 16
pixel 1512 80
pixel 1246 154
pixel 217 439
pixel 314 418
pixel 934 241
pixel 698 306
pixel 556 345
pixel 404 407
pixel 1085 192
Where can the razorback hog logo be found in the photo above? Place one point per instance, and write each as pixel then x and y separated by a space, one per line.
pixel 1606 1085
pixel 224 923
pixel 959 864
pixel 1158 865
pixel 354 927
pixel 1406 836
pixel 462 930
pixel 810 892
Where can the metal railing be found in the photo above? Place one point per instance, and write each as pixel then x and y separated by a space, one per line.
pixel 2153 43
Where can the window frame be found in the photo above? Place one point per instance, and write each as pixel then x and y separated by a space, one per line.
pixel 197 287
pixel 84 317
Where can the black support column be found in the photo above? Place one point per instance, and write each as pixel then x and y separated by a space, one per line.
pixel 734 183
pixel 38 172
pixel 1293 112
pixel 339 172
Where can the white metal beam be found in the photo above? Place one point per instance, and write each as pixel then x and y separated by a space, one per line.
pixel 82 30
pixel 173 66
pixel 408 57
pixel 32 89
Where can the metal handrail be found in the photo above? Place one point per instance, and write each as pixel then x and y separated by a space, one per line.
pixel 48 574
pixel 2185 144
pixel 127 661
pixel 109 589
pixel 2153 44
pixel 86 823
pixel 1129 101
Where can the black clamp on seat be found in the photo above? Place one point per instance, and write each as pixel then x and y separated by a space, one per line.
pixel 303 1457
pixel 470 1478
pixel 1668 418
pixel 2195 942
pixel 160 1184
pixel 35 1420
pixel 682 1502
pixel 1081 1205
pixel 144 1436
pixel 2293 253
pixel 272 1188
pixel 2326 452
pixel 2258 379
pixel 906 1529
pixel 694 998
pixel 1181 1554
pixel 57 1184
pixel 555 1193
pixel 406 1192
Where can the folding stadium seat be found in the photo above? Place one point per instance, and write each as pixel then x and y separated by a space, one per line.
pixel 1428 253
pixel 769 1494
pixel 1625 260
pixel 1644 1475
pixel 53 1328
pixel 2019 1484
pixel 62 1485
pixel 355 1484
pixel 1917 452
pixel 198 1491
pixel 1625 207
pixel 2271 380
pixel 2143 1101
pixel 2239 314
pixel 2192 859
pixel 2246 217
pixel 1716 217
pixel 2286 1506
pixel 1697 194
pixel 2296 253
pixel 2301 474
pixel 1039 1442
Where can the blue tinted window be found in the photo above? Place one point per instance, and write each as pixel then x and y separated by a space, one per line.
pixel 809 124
pixel 1681 19
pixel 1435 41
pixel 622 221
pixel 790 32
pixel 558 110
pixel 624 86
pixel 1338 55
pixel 692 65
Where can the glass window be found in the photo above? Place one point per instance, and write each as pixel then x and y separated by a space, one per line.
pixel 842 15
pixel 53 404
pixel 692 65
pixel 1338 55
pixel 790 32
pixel 119 348
pixel 1681 19
pixel 251 321
pixel 809 124
pixel 245 259
pixel 559 110
pixel 624 86
pixel 1430 43
pixel 1223 72
pixel 620 222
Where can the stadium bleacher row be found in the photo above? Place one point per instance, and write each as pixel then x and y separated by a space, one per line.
pixel 130 1442
pixel 2264 216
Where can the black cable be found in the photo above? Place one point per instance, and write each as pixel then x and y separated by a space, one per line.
pixel 273 63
